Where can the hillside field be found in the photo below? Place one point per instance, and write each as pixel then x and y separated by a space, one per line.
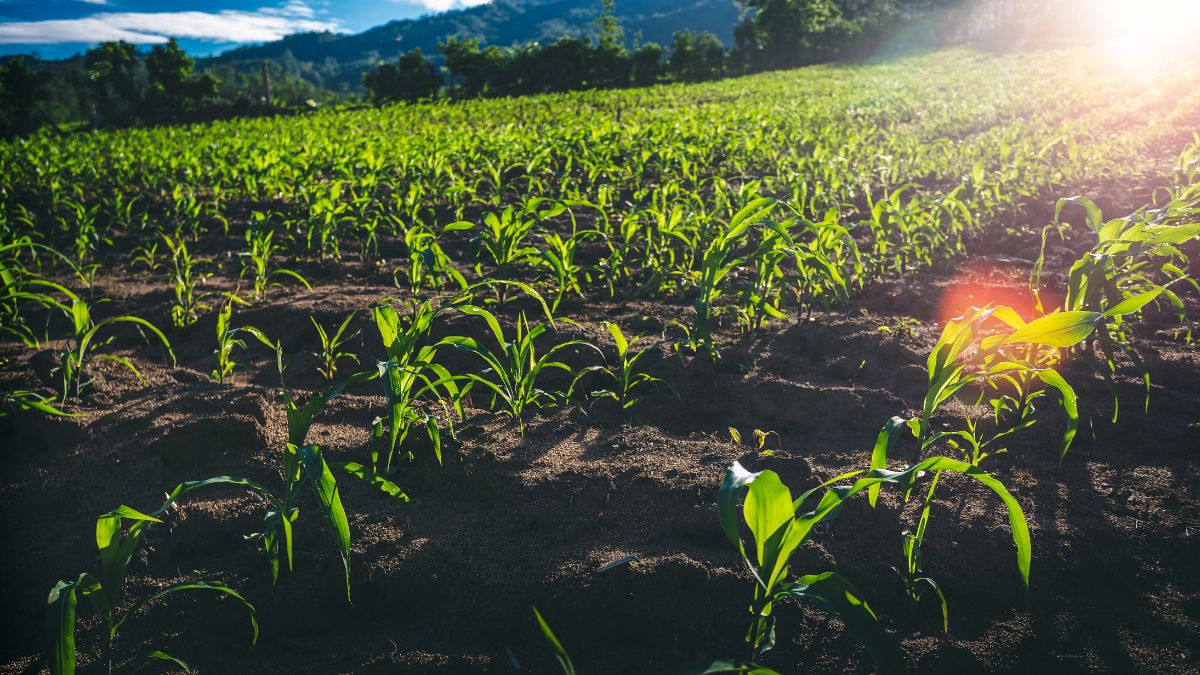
pixel 986 256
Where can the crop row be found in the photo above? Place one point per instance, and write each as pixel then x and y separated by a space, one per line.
pixel 989 356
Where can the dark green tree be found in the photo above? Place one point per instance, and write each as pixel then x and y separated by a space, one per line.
pixel 787 33
pixel 412 78
pixel 470 67
pixel 117 81
pixel 696 56
pixel 792 32
pixel 173 89
pixel 22 96
pixel 648 65
pixel 610 63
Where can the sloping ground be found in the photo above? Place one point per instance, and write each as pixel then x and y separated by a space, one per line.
pixel 607 523
pixel 445 583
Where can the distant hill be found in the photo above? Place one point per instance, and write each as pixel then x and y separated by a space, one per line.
pixel 338 62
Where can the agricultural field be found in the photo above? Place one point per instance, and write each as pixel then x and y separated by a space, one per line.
pixel 860 368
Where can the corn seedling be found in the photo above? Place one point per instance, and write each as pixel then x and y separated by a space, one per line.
pixel 86 339
pixel 105 589
pixel 1010 362
pixel 146 255
pixel 901 326
pixel 760 440
pixel 410 378
pixel 1135 260
pixel 778 528
pixel 82 225
pixel 332 347
pixel 429 267
pixel 761 296
pixel 257 261
pixel 502 238
pixel 559 258
pixel 189 302
pixel 912 572
pixel 719 262
pixel 20 285
pixel 627 381
pixel 228 340
pixel 29 400
pixel 514 365
pixel 305 464
pixel 560 652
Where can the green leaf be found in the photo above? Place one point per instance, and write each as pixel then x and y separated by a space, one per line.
pixel 1095 218
pixel 1061 329
pixel 768 508
pixel 1070 405
pixel 835 593
pixel 1176 234
pixel 618 338
pixel 560 653
pixel 736 478
pixel 359 471
pixel 325 486
pixel 883 444
pixel 60 628
pixel 162 656
pixel 1133 303
pixel 215 586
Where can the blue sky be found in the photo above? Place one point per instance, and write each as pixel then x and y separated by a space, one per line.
pixel 60 28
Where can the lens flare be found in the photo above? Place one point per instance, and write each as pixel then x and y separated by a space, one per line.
pixel 1142 38
pixel 983 283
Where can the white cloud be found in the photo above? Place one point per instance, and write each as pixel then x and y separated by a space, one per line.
pixel 443 5
pixel 263 25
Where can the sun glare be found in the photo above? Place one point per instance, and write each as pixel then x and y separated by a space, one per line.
pixel 1143 37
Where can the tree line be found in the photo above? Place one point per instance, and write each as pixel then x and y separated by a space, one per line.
pixel 771 34
pixel 114 85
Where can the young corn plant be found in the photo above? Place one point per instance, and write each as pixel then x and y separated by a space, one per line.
pixel 559 258
pixel 828 264
pixel 778 528
pixel 912 571
pixel 429 267
pixel 30 400
pixel 19 286
pixel 82 224
pixel 1135 257
pixel 412 380
pixel 719 262
pixel 761 296
pixel 146 255
pixel 185 276
pixel 105 589
pixel 502 240
pixel 760 440
pixel 303 465
pixel 333 347
pixel 88 336
pixel 326 213
pixel 228 341
pixel 513 366
pixel 628 382
pixel 257 262
pixel 1018 363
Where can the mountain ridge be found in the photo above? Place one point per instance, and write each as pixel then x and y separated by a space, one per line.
pixel 338 61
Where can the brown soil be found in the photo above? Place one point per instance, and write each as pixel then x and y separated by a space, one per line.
pixel 445 583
